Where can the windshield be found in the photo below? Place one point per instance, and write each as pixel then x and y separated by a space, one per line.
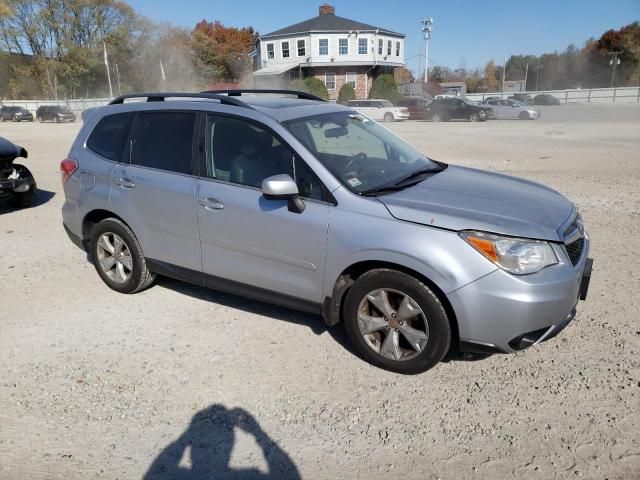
pixel 361 153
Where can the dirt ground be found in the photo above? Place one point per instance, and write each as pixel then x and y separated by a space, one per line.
pixel 95 384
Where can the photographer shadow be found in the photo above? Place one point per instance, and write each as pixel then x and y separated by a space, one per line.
pixel 210 439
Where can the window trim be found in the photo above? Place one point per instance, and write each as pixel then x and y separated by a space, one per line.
pixel 304 47
pixel 282 50
pixel 335 84
pixel 355 79
pixel 366 45
pixel 133 132
pixel 339 46
pixel 328 198
pixel 320 47
pixel 273 51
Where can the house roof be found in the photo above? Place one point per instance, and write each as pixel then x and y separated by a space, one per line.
pixel 329 22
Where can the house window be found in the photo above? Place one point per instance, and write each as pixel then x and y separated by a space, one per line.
pixel 380 46
pixel 270 51
pixel 362 46
pixel 389 43
pixel 285 49
pixel 343 46
pixel 324 46
pixel 397 49
pixel 301 48
pixel 351 79
pixel 330 81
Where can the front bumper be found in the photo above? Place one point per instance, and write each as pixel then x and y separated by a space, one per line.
pixel 506 313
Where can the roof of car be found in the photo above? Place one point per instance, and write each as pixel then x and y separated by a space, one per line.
pixel 280 108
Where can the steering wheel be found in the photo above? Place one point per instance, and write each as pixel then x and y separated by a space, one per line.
pixel 357 156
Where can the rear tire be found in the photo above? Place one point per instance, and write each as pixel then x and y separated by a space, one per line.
pixel 28 198
pixel 426 317
pixel 388 117
pixel 437 118
pixel 136 278
pixel 39 119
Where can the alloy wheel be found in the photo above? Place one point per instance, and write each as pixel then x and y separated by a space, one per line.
pixel 114 257
pixel 392 324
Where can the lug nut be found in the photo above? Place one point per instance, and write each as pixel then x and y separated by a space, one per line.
pixel 393 315
pixel 397 330
pixel 387 327
pixel 400 322
pixel 386 319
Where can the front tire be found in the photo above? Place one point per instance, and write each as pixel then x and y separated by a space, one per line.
pixel 396 322
pixel 118 258
pixel 388 117
pixel 524 116
pixel 474 117
pixel 437 118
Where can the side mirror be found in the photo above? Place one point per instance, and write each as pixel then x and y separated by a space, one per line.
pixel 282 187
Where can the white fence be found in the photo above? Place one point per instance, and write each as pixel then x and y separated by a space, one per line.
pixel 76 105
pixel 591 95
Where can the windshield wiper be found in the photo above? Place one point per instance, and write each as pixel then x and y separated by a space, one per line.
pixel 418 173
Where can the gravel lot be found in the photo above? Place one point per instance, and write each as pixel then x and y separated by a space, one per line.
pixel 100 385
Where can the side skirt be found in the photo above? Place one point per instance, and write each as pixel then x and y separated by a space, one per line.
pixel 233 287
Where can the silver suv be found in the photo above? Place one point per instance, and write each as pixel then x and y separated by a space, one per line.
pixel 291 200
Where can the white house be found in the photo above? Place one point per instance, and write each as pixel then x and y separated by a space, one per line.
pixel 334 49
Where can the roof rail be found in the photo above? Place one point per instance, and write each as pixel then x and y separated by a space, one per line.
pixel 240 92
pixel 160 97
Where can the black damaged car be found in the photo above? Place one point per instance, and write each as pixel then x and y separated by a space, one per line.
pixel 17 185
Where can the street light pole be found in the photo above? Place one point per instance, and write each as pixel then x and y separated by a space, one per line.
pixel 614 61
pixel 426 30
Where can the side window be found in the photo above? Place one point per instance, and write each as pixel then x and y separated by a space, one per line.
pixel 109 136
pixel 308 184
pixel 164 140
pixel 243 153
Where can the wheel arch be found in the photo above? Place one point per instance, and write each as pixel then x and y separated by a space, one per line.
pixel 332 306
pixel 92 218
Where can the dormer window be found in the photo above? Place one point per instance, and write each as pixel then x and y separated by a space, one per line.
pixel 324 46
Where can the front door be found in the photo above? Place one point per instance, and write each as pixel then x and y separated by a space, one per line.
pixel 248 241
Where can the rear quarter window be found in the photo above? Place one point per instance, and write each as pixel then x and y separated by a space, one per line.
pixel 110 135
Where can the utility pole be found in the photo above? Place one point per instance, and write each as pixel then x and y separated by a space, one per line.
pixel 538 67
pixel 526 74
pixel 118 75
pixel 504 71
pixel 614 61
pixel 106 64
pixel 426 30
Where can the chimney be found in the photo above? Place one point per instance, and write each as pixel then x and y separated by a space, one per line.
pixel 326 9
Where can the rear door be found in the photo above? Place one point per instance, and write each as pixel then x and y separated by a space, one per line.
pixel 498 109
pixel 156 187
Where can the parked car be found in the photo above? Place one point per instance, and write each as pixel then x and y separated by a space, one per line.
pixel 17 185
pixel 307 204
pixel 55 113
pixel 507 109
pixel 15 114
pixel 445 109
pixel 417 107
pixel 521 97
pixel 380 110
pixel 545 99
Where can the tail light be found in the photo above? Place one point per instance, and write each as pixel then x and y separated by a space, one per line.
pixel 67 167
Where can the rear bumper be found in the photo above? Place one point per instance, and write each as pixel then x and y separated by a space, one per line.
pixel 507 313
pixel 77 241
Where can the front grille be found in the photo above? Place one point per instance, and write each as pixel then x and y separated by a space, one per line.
pixel 574 250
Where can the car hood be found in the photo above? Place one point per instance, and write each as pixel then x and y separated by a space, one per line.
pixel 460 198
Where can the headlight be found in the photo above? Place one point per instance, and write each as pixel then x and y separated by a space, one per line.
pixel 519 256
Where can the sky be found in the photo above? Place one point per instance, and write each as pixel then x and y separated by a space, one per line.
pixel 465 33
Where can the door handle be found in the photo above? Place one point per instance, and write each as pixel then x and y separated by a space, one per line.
pixel 124 182
pixel 211 204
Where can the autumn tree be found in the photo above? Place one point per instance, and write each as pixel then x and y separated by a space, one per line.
pixel 222 53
